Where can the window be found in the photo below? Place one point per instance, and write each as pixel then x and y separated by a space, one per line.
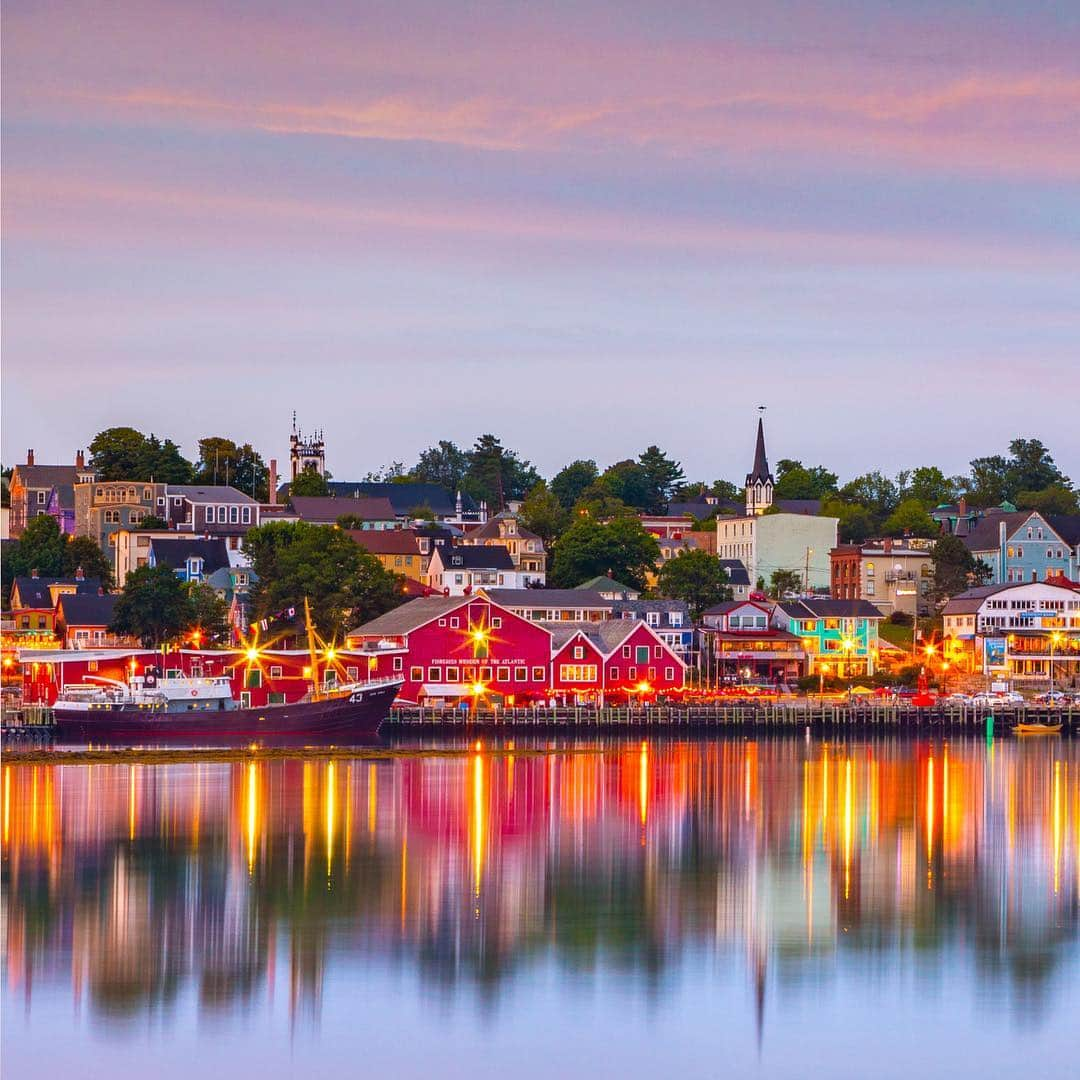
pixel 459 579
pixel 658 651
pixel 245 515
pixel 626 652
pixel 161 500
pixel 613 672
pixel 177 501
pixel 652 618
pixel 869 569
pixel 434 674
pixel 399 663
pixel 502 674
pixel 631 673
pixel 669 673
pixel 112 517
pixel 485 674
pixel 42 496
pixel 641 654
pixel 577 673
pixel 254 679
pixel 455 622
pixel 211 512
pixel 521 674
pixel 538 674
pixel 234 515
pixel 442 622
pixel 275 671
pixel 41 620
pixel 579 652
pixel 275 699
pixel 496 623
pixel 652 673
pixel 416 674
pixel 453 674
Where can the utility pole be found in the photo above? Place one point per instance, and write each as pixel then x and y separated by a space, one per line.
pixel 806 572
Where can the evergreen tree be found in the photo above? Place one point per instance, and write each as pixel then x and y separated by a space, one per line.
pixel 955 569
pixel 663 475
pixel 571 482
pixel 445 464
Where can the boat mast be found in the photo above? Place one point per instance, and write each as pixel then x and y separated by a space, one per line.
pixel 312 650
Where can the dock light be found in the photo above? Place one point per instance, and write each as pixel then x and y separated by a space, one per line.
pixel 8 662
pixel 477 688
pixel 331 653
pixel 643 687
pixel 930 650
pixel 196 637
pixel 252 654
pixel 479 634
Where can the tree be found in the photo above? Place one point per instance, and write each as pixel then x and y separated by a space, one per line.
pixel 421 512
pixel 309 482
pixel 496 474
pixel 590 548
pixel 152 521
pixel 930 486
pixel 570 483
pixel 445 465
pixel 726 491
pixel 543 514
pixel 122 453
pixel 1054 499
pixel 663 475
pixel 955 569
pixel 696 577
pixel 221 461
pixel 873 490
pixel 343 583
pixel 209 613
pixel 856 523
pixel 153 607
pixel 989 480
pixel 391 473
pixel 598 504
pixel 350 521
pixel 784 582
pixel 795 481
pixel 84 553
pixel 910 519
pixel 1032 468
pixel 630 483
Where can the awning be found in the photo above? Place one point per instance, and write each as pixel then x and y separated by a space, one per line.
pixel 447 689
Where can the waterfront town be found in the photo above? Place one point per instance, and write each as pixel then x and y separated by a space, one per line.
pixel 476 582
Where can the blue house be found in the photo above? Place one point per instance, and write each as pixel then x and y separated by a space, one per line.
pixel 192 560
pixel 1027 546
pixel 669 618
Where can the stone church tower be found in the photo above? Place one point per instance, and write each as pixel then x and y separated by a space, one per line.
pixel 306 453
pixel 759 481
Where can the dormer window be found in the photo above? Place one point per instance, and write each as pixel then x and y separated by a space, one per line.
pixel 194 566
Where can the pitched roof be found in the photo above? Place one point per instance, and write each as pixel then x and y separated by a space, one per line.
pixel 665 608
pixel 48 476
pixel 326 509
pixel 828 608
pixel 403 497
pixel 174 552
pixel 211 493
pixel 34 592
pixel 760 470
pixel 736 571
pixel 984 536
pixel 971 600
pixel 1067 526
pixel 386 541
pixel 602 583
pixel 479 557
pixel 65 495
pixel 518 599
pixel 410 616
pixel 490 529
pixel 606 635
pixel 807 507
pixel 86 609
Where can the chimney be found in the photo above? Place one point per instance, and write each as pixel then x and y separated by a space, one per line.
pixel 80 574
pixel 887 545
pixel 963 506
pixel 29 457
pixel 80 461
pixel 272 482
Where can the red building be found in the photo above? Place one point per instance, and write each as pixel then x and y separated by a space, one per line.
pixel 470 648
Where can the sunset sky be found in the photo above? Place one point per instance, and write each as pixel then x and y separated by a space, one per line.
pixel 585 226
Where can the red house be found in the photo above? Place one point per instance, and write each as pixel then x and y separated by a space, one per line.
pixel 613 661
pixel 463 648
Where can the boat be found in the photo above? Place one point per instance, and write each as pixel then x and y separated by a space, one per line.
pixel 153 708
pixel 1036 729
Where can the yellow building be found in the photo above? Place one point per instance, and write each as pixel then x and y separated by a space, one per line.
pixel 396 549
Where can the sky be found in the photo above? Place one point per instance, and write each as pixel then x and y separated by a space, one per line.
pixel 584 225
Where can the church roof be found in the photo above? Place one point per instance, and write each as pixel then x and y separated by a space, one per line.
pixel 761 462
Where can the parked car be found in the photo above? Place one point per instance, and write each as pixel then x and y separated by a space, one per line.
pixel 1057 698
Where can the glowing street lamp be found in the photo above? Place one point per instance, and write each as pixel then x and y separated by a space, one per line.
pixel 1056 638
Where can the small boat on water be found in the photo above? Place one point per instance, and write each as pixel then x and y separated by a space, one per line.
pixel 1036 729
pixel 156 708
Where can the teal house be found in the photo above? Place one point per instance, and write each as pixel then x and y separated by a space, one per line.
pixel 840 637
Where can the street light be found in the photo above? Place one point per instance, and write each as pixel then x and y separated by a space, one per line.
pixel 1055 639
pixel 823 668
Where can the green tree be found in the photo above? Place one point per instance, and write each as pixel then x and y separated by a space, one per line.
pixel 309 483
pixel 571 482
pixel 873 490
pixel 1031 468
pixel 989 483
pixel 344 584
pixel 910 519
pixel 663 475
pixel 856 523
pixel 589 548
pixel 154 606
pixel 1054 499
pixel 445 464
pixel 209 613
pixel 41 547
pixel 122 453
pixel 82 552
pixel 350 521
pixel 955 569
pixel 930 486
pixel 795 481
pixel 221 461
pixel 696 577
pixel 543 514
pixel 152 521
pixel 421 512
pixel 726 491
pixel 597 503
pixel 630 483
pixel 496 474
pixel 785 582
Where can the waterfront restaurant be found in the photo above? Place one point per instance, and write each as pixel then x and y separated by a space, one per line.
pixel 743 645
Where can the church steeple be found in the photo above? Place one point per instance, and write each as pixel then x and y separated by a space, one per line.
pixel 759 481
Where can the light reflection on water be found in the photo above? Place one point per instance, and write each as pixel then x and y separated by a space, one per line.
pixel 730 906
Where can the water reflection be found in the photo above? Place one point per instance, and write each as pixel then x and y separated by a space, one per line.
pixel 141 885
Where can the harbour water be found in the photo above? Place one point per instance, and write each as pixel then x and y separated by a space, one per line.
pixel 716 907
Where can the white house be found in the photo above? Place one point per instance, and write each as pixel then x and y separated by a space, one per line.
pixel 460 570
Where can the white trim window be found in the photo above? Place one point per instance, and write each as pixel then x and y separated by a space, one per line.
pixel 234 515
pixel 245 515
pixel 211 514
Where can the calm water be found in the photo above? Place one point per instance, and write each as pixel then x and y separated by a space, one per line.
pixel 725 908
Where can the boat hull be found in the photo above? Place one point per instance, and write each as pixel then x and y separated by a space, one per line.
pixel 333 718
